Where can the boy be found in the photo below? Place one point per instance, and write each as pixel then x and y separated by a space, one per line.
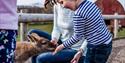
pixel 88 23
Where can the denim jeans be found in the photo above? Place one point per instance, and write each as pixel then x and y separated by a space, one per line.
pixel 98 54
pixel 42 34
pixel 63 56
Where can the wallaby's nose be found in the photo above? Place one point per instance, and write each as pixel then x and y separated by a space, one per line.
pixel 52 45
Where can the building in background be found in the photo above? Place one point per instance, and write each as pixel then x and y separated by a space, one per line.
pixel 110 7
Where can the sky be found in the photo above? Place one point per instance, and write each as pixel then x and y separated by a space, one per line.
pixel 40 3
pixel 36 3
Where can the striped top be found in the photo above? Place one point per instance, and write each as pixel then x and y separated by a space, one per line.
pixel 89 23
pixel 63 26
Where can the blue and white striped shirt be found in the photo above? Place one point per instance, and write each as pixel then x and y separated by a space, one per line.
pixel 89 23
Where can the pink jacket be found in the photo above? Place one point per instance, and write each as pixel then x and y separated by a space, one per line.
pixel 8 14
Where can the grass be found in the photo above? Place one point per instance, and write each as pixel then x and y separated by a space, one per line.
pixel 121 33
pixel 45 27
pixel 48 28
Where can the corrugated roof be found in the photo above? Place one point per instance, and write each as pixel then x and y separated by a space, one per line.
pixel 121 1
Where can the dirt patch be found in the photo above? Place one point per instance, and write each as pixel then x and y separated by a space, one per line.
pixel 118 52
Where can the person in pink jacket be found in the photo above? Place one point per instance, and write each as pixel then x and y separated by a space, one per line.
pixel 8 30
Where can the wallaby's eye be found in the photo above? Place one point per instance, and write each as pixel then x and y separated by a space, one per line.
pixel 44 42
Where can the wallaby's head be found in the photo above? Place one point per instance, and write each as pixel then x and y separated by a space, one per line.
pixel 42 42
pixel 36 45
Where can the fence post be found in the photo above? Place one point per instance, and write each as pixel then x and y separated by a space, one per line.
pixel 21 32
pixel 23 29
pixel 115 26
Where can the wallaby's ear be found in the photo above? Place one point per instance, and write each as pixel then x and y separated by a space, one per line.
pixel 36 37
pixel 30 38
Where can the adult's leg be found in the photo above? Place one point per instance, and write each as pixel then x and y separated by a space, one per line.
pixel 63 56
pixel 40 33
pixel 7 45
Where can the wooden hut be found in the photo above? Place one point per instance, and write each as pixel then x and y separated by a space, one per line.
pixel 110 7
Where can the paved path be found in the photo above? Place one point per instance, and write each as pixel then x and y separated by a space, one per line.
pixel 118 52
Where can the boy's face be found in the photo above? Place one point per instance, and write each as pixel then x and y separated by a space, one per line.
pixel 71 4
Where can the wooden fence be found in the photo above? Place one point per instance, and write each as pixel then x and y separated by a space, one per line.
pixel 25 18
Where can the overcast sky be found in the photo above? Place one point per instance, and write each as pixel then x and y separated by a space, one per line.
pixel 39 2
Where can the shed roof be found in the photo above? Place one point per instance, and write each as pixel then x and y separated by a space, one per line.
pixel 122 2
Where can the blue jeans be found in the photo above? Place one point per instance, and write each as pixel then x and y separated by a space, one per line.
pixel 42 34
pixel 98 54
pixel 63 56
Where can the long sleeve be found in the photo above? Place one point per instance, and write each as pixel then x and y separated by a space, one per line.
pixel 55 31
pixel 89 24
pixel 79 32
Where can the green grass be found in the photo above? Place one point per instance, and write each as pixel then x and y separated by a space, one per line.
pixel 121 33
pixel 48 28
pixel 45 27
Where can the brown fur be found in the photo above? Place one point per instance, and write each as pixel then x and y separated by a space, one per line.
pixel 25 50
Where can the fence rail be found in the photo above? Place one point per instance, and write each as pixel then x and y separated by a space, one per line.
pixel 25 18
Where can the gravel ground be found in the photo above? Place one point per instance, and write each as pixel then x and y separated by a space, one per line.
pixel 118 52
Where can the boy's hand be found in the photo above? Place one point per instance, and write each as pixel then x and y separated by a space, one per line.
pixel 59 48
pixel 77 57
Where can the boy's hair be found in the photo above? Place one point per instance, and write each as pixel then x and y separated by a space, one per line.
pixel 51 2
